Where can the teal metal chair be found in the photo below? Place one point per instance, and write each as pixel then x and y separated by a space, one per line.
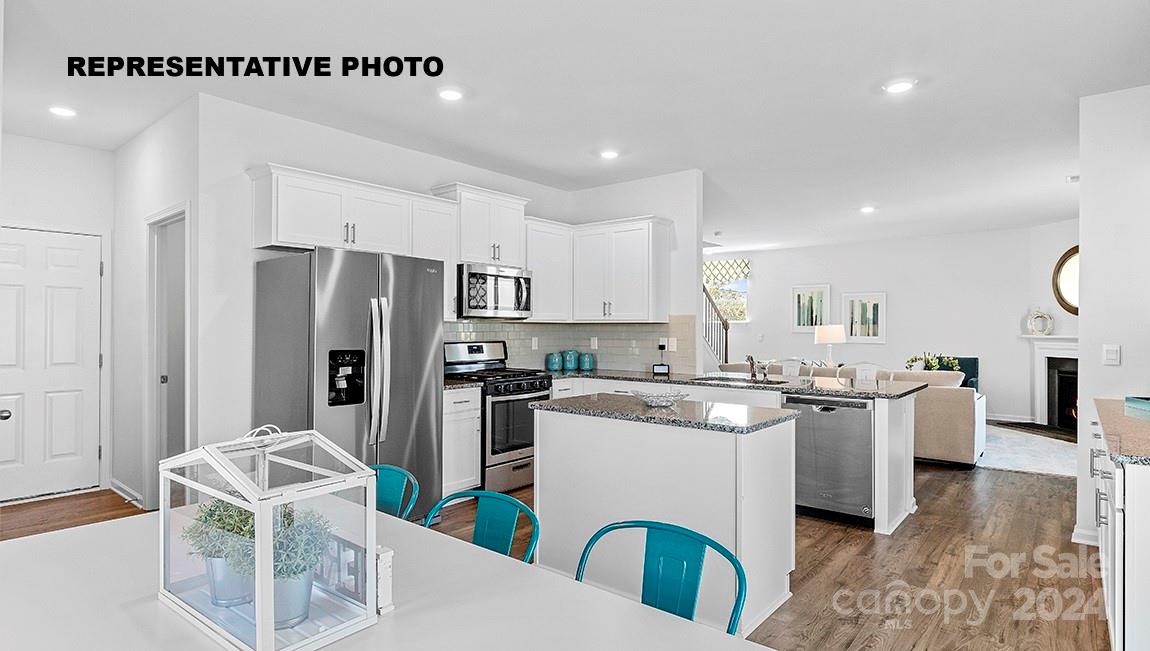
pixel 673 567
pixel 496 516
pixel 390 486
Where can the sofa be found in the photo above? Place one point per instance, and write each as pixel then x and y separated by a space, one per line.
pixel 949 418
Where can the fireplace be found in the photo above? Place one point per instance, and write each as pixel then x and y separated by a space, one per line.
pixel 1062 393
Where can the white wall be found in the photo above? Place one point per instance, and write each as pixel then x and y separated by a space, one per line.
pixel 154 171
pixel 1114 155
pixel 65 188
pixel 965 294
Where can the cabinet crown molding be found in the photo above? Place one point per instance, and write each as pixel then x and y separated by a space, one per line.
pixel 267 169
pixel 452 191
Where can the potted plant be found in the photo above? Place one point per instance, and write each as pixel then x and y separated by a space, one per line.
pixel 932 362
pixel 299 540
pixel 212 535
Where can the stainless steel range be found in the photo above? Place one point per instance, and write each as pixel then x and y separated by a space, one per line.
pixel 508 425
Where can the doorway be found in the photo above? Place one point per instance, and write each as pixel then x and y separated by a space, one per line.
pixel 168 285
pixel 50 320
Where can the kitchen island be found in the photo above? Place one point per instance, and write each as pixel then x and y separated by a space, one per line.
pixel 865 471
pixel 724 470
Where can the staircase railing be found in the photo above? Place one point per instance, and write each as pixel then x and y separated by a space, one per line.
pixel 716 328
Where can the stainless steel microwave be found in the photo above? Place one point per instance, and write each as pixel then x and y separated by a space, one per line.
pixel 493 292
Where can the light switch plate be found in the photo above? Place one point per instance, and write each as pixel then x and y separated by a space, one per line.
pixel 673 344
pixel 535 343
pixel 1111 355
pixel 594 343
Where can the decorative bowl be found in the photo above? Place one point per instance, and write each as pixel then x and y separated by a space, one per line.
pixel 660 399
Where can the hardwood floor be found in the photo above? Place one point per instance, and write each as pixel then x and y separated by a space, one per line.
pixel 459 521
pixel 41 516
pixel 978 514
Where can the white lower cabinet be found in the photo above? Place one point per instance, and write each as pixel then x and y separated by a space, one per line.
pixel 566 387
pixel 1122 513
pixel 462 440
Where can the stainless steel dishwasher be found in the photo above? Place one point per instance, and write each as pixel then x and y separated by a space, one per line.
pixel 834 454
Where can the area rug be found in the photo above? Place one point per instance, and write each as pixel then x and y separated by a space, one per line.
pixel 1008 449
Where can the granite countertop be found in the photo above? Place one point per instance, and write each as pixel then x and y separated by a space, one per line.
pixel 714 416
pixel 449 384
pixel 809 386
pixel 1127 437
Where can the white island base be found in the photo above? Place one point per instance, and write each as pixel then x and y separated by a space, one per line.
pixel 737 488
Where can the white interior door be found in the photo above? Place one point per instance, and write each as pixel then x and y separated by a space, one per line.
pixel 49 362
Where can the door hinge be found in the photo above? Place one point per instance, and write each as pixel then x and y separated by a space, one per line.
pixel 99 452
pixel 101 360
pixel 101 268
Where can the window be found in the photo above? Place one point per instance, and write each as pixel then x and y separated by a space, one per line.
pixel 727 281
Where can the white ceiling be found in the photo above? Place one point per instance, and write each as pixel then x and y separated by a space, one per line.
pixel 778 102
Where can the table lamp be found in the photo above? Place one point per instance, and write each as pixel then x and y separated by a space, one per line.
pixel 830 335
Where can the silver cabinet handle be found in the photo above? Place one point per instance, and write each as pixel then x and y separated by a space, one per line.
pixel 345 227
pixel 461 402
pixel 5 414
pixel 1099 498
pixel 1093 456
pixel 498 251
pixel 353 233
pixel 604 308
pixel 492 250
pixel 610 308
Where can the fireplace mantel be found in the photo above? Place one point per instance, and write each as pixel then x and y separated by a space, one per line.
pixel 1044 347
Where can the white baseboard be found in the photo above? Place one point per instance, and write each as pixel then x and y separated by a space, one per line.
pixel 127 493
pixel 1085 536
pixel 1010 418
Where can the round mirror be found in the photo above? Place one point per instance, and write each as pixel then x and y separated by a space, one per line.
pixel 1065 280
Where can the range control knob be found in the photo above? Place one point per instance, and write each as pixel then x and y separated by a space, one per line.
pixel 499 388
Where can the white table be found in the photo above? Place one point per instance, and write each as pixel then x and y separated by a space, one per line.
pixel 94 588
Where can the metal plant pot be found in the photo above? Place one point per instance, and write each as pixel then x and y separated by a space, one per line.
pixel 228 587
pixel 292 600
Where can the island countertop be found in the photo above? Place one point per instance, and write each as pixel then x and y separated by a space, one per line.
pixel 1127 437
pixel 714 416
pixel 805 385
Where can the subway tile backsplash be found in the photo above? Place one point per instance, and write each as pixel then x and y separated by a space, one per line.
pixel 622 346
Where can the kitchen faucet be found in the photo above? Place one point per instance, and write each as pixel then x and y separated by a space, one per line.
pixel 751 362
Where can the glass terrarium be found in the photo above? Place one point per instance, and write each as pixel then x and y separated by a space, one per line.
pixel 269 540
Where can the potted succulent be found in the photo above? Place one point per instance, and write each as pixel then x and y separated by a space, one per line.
pixel 218 526
pixel 299 540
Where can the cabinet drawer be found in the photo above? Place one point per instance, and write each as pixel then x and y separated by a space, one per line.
pixel 461 400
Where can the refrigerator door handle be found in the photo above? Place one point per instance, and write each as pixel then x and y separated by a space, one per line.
pixel 384 370
pixel 373 419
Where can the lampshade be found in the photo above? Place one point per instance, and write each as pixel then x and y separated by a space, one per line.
pixel 830 334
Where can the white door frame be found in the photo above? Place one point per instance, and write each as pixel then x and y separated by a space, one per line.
pixel 105 423
pixel 151 483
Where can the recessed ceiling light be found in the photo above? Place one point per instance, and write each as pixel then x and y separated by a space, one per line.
pixel 866 210
pixel 1074 178
pixel 609 154
pixel 450 94
pixel 899 86
pixel 62 112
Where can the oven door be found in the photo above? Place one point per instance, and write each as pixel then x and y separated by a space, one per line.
pixel 493 292
pixel 509 428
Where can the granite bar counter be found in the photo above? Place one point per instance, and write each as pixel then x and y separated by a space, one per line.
pixel 1127 437
pixel 717 417
pixel 724 470
pixel 811 386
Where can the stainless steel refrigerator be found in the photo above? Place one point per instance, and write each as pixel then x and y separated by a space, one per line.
pixel 350 344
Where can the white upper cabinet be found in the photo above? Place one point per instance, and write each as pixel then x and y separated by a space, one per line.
pixel 435 235
pixel 550 262
pixel 378 221
pixel 621 271
pixel 302 209
pixel 592 250
pixel 491 224
pixel 305 212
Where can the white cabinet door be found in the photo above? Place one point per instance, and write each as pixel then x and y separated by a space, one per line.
pixel 550 263
pixel 462 440
pixel 507 232
pixel 629 282
pixel 309 213
pixel 380 221
pixel 475 241
pixel 590 249
pixel 435 235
